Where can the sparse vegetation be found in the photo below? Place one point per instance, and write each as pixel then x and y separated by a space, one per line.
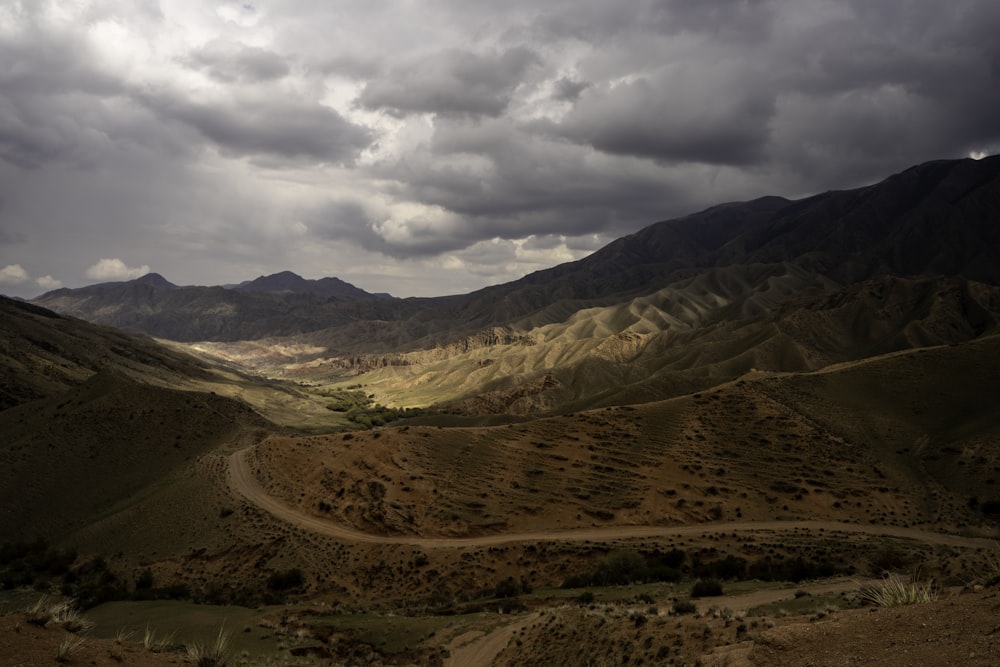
pixel 361 409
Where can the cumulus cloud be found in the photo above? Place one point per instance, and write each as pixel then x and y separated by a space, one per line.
pixel 115 269
pixel 13 274
pixel 48 283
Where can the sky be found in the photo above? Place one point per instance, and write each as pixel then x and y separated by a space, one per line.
pixel 434 147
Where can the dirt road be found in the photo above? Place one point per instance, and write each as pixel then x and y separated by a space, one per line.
pixel 244 482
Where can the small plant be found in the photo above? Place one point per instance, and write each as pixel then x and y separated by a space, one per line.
pixel 154 645
pixel 66 614
pixel 213 655
pixel 894 592
pixel 67 648
pixel 38 613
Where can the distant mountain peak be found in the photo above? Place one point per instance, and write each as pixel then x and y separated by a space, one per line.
pixel 287 281
pixel 154 280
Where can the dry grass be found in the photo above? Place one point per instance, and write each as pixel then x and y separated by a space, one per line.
pixel 62 613
pixel 67 648
pixel 215 654
pixel 155 644
pixel 893 591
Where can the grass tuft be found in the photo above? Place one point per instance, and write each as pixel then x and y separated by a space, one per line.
pixel 211 655
pixel 67 648
pixel 893 591
pixel 62 613
pixel 154 645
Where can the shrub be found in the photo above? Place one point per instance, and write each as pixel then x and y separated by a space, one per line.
pixel 620 567
pixel 507 588
pixel 283 581
pixel 684 607
pixel 705 588
pixel 730 567
pixel 990 507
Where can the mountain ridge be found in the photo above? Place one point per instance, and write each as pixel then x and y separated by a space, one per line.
pixel 934 218
pixel 676 307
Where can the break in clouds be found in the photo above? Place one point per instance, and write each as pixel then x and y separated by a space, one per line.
pixel 437 147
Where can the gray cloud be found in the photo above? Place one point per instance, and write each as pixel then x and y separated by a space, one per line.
pixel 568 90
pixel 451 82
pixel 675 116
pixel 280 128
pixel 228 62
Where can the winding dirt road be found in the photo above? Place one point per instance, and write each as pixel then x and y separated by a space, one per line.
pixel 243 481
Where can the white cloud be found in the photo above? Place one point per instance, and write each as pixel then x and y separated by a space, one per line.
pixel 48 283
pixel 13 274
pixel 115 269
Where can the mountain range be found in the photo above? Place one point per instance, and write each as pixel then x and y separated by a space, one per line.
pixel 769 284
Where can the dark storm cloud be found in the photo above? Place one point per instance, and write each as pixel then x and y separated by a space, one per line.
pixel 229 62
pixel 280 128
pixel 452 82
pixel 674 117
pixel 596 21
pixel 355 131
pixel 42 91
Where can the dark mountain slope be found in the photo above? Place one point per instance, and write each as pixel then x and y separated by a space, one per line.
pixel 43 354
